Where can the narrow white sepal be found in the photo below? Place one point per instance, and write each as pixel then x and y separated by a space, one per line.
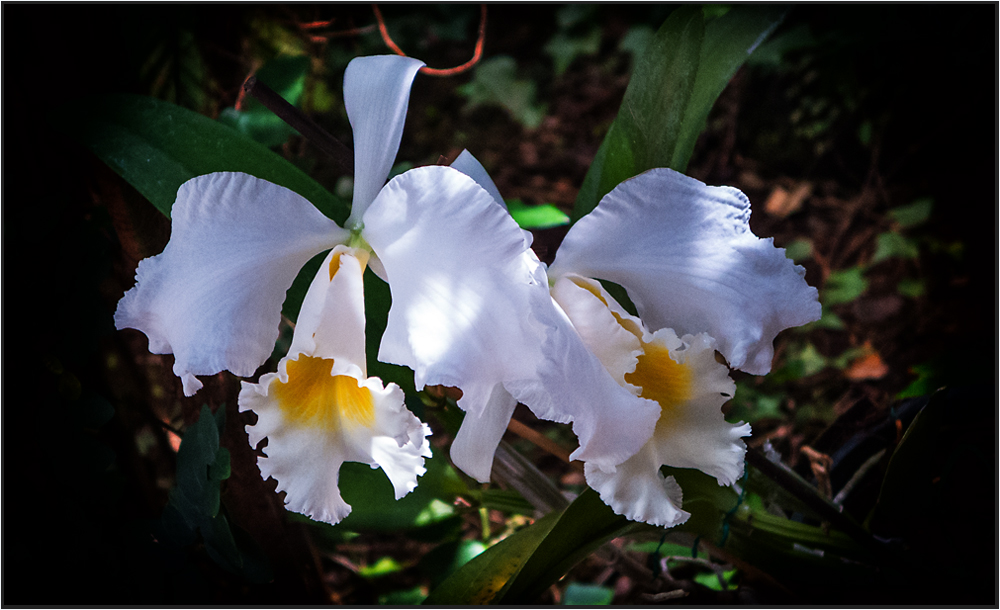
pixel 376 95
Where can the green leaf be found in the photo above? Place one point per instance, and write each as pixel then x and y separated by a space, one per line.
pixel 156 147
pixel 446 558
pixel 543 216
pixel 831 321
pixel 673 88
pixel 799 250
pixel 382 567
pixel 578 594
pixel 894 245
pixel 194 506
pixel 812 361
pixel 711 580
pixel 749 405
pixel 506 500
pixel 843 286
pixel 519 568
pixel 373 503
pixel 196 495
pixel 636 40
pixel 482 579
pixel 563 48
pixel 913 214
pixel 909 287
pixel 406 597
pixel 495 82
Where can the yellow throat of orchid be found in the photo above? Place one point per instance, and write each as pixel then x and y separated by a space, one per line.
pixel 661 378
pixel 312 398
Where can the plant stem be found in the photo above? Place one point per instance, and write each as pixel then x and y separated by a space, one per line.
pixel 341 154
pixel 801 489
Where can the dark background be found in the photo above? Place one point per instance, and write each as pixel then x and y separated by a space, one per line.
pixel 79 493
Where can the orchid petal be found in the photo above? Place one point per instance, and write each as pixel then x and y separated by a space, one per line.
pixel 331 322
pixel 459 283
pixel 309 436
pixel 587 306
pixel 471 167
pixel 213 296
pixel 480 434
pixel 376 94
pixel 471 306
pixel 467 301
pixel 685 254
pixel 637 490
pixel 319 410
pixel 571 385
pixel 682 375
pixel 694 433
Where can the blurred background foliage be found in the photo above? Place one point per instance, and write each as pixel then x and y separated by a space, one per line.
pixel 865 136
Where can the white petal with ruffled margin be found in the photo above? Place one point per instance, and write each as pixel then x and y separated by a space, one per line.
pixel 685 254
pixel 318 412
pixel 213 296
pixel 691 387
pixel 376 95
pixel 571 385
pixel 695 434
pixel 471 167
pixel 638 490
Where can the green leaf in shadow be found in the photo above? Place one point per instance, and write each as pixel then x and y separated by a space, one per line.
pixel 519 568
pixel 157 146
pixel 673 88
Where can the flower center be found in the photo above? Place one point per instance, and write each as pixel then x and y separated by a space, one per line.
pixel 312 398
pixel 360 255
pixel 661 378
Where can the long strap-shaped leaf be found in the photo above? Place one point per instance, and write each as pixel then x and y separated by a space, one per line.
pixel 519 568
pixel 672 90
pixel 157 146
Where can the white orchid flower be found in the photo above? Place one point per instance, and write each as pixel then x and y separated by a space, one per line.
pixel 703 281
pixel 213 297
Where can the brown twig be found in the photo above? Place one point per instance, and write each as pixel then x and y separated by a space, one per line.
pixel 542 442
pixel 476 56
pixel 302 124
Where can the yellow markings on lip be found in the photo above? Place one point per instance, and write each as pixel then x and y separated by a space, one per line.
pixel 661 378
pixel 313 398
pixel 361 256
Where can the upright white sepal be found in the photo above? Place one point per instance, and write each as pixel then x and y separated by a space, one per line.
pixel 376 94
